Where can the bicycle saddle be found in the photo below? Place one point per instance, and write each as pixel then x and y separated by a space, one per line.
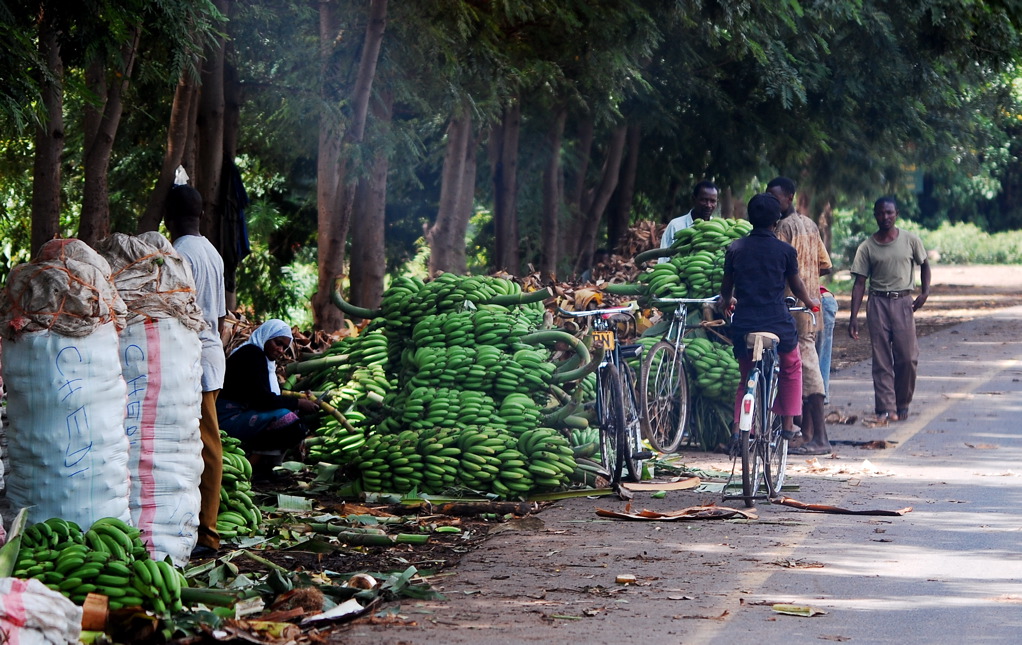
pixel 757 340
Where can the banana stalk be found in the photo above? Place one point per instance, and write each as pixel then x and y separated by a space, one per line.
pixel 523 298
pixel 351 310
pixel 654 254
pixel 316 364
pixel 326 408
pixel 554 336
pixel 581 372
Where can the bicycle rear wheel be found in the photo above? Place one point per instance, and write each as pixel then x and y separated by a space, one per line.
pixel 631 438
pixel 776 459
pixel 762 423
pixel 663 397
pixel 612 422
pixel 748 448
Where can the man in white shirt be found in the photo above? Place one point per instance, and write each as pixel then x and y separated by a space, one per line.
pixel 184 209
pixel 704 202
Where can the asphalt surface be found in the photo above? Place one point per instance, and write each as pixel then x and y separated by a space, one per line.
pixel 948 571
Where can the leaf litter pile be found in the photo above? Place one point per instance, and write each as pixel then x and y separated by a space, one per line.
pixel 318 565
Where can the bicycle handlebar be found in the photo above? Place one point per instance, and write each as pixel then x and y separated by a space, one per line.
pixel 687 301
pixel 811 312
pixel 594 312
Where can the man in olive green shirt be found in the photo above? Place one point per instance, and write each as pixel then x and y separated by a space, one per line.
pixel 888 259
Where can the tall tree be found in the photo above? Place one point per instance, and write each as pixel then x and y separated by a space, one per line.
pixel 336 184
pixel 107 75
pixel 49 138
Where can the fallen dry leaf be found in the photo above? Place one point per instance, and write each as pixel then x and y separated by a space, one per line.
pixel 798 610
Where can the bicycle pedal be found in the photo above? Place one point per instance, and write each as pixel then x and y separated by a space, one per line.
pixel 642 454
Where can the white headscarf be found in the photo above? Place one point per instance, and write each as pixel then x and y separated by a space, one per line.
pixel 266 332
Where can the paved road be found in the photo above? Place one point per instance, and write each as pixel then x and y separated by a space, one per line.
pixel 950 571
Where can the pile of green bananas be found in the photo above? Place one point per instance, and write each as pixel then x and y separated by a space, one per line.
pixel 108 558
pixel 715 368
pixel 452 331
pixel 238 514
pixel 480 458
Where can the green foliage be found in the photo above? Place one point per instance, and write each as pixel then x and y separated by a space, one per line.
pixel 957 243
pixel 269 289
pixel 966 243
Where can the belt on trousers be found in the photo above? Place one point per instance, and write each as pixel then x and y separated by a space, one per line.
pixel 890 294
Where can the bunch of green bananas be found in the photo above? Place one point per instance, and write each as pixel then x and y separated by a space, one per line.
pixel 334 442
pixel 499 328
pixel 710 235
pixel 585 442
pixel 391 462
pixel 716 370
pixel 482 455
pixel 238 514
pixel 696 265
pixel 483 369
pixel 549 458
pixel 445 407
pixel 109 558
pixel 441 457
pixel 664 280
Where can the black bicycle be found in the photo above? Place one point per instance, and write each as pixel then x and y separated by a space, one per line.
pixel 617 409
pixel 663 382
pixel 762 447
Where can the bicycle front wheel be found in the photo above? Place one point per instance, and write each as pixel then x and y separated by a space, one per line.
pixel 612 422
pixel 663 397
pixel 631 439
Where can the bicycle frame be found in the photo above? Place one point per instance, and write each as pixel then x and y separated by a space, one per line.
pixel 679 317
pixel 619 416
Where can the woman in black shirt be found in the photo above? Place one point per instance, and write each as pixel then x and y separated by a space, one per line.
pixel 250 406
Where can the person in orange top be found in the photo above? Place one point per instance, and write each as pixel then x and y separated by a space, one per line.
pixel 813 261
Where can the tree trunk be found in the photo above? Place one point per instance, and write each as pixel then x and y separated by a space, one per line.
pixel 552 185
pixel 178 134
pixel 576 183
pixel 620 216
pixel 601 197
pixel 826 225
pixel 446 237
pixel 505 190
pixel 467 195
pixel 335 196
pixel 49 137
pixel 210 140
pixel 368 238
pixel 101 123
pixel 727 202
pixel 232 121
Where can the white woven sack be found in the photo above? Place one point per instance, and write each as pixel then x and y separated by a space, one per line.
pixel 33 614
pixel 65 402
pixel 160 363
